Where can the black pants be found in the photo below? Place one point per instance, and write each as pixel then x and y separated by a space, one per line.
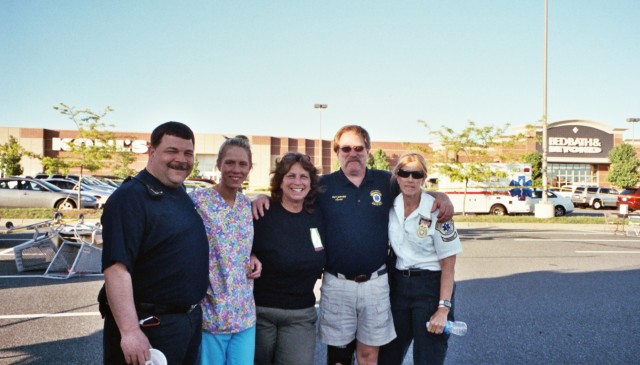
pixel 413 301
pixel 178 336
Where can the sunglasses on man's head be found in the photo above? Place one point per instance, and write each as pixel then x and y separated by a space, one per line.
pixel 347 149
pixel 415 174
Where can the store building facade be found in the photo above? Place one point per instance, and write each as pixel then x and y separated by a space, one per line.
pixel 578 150
pixel 265 150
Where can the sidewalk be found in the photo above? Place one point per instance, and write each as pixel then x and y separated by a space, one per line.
pixel 538 226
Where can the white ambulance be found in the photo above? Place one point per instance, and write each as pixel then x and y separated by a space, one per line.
pixel 499 195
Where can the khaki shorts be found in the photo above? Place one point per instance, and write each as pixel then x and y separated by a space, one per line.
pixel 351 310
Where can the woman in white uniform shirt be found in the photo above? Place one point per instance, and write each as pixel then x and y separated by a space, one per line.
pixel 422 284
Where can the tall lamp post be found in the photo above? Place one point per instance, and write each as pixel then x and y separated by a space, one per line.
pixel 544 209
pixel 320 107
pixel 633 122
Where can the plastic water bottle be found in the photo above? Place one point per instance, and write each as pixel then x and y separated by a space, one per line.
pixel 454 328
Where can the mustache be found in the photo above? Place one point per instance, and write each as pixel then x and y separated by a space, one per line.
pixel 178 166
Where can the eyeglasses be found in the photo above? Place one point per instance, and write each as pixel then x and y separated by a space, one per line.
pixel 347 149
pixel 415 174
pixel 295 156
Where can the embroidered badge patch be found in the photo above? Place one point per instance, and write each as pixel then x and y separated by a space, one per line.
pixel 423 227
pixel 425 222
pixel 376 197
pixel 447 230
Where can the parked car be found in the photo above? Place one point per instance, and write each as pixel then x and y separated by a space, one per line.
pixel 22 192
pixel 566 190
pixel 596 197
pixel 91 181
pixel 194 184
pixel 111 180
pixel 631 197
pixel 101 194
pixel 562 205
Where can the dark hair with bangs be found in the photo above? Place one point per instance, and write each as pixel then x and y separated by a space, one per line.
pixel 283 165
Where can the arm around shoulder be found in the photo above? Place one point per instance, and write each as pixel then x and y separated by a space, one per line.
pixel 259 205
pixel 443 205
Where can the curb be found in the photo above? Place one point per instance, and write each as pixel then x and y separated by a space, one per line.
pixel 538 226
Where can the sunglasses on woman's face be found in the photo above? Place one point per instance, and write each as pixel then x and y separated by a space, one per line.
pixel 347 149
pixel 415 174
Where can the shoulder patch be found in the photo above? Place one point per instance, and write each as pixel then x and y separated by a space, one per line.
pixel 447 230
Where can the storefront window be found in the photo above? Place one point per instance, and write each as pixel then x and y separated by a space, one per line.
pixel 572 174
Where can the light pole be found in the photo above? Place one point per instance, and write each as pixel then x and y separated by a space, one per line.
pixel 633 122
pixel 320 107
pixel 544 209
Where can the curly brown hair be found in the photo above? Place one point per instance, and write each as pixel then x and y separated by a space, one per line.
pixel 283 165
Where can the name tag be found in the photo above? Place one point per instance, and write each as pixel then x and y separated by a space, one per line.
pixel 315 239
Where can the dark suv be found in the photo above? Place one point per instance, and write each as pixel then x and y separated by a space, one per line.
pixel 630 197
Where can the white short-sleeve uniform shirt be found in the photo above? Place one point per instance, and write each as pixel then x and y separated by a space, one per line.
pixel 420 241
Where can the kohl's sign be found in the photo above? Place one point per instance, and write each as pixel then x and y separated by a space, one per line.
pixel 135 146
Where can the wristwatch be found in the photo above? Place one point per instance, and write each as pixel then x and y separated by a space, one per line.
pixel 444 303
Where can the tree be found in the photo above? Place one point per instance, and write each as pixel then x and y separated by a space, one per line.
pixel 95 144
pixel 123 159
pixel 378 161
pixel 196 169
pixel 465 155
pixel 55 165
pixel 624 166
pixel 11 154
pixel 535 159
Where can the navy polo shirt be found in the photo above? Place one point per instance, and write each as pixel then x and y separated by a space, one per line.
pixel 156 232
pixel 356 221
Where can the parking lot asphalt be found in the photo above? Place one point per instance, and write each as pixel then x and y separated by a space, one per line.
pixel 531 294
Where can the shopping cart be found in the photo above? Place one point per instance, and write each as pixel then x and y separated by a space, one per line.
pixel 38 252
pixel 79 253
pixel 64 249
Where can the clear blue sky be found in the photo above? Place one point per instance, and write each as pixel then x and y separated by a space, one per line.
pixel 257 67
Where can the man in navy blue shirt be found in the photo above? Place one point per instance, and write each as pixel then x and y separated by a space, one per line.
pixel 155 258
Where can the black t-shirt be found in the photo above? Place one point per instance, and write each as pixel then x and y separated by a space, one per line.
pixel 156 232
pixel 290 262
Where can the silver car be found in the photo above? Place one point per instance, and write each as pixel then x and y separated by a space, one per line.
pixel 597 197
pixel 20 192
pixel 101 195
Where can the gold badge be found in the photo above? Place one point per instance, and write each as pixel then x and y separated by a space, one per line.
pixel 422 231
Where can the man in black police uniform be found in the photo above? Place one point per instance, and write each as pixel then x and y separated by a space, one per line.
pixel 155 258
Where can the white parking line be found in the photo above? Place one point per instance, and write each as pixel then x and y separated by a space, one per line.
pixel 568 240
pixel 41 276
pixel 7 252
pixel 608 252
pixel 49 315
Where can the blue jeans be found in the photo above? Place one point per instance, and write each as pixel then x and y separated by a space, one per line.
pixel 413 300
